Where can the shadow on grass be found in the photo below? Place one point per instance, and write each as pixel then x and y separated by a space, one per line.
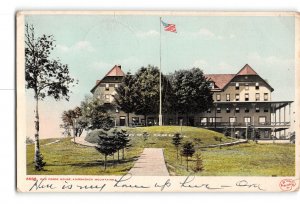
pixel 101 162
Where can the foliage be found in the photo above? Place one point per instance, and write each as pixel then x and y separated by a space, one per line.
pixel 121 139
pixel 29 140
pixel 95 115
pixel 45 76
pixel 147 94
pixel 176 141
pixel 145 136
pixel 191 91
pixel 73 120
pixel 125 97
pixel 92 136
pixel 187 151
pixel 106 145
pixel 199 166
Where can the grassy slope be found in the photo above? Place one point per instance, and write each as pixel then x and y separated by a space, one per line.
pixel 245 159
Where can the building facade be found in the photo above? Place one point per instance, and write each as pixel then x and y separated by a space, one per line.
pixel 242 103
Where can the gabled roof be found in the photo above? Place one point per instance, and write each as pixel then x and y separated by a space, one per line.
pixel 247 70
pixel 116 71
pixel 221 80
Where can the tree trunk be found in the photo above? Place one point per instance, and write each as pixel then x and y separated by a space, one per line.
pixel 127 119
pixel 187 163
pixel 123 153
pixel 177 152
pixel 145 118
pixel 37 129
pixel 118 155
pixel 105 159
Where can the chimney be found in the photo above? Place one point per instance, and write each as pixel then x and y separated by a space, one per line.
pixel 119 66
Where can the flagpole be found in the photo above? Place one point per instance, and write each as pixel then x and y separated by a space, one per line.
pixel 160 97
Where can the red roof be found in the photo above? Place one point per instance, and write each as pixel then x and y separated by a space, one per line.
pixel 221 80
pixel 247 70
pixel 115 71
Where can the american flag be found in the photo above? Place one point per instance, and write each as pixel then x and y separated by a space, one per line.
pixel 169 27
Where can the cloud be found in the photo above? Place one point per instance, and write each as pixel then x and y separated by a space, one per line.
pixel 200 63
pixel 78 46
pixel 150 33
pixel 208 34
pixel 126 63
pixel 270 60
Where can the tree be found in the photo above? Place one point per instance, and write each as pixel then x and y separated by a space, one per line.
pixel 95 114
pixel 199 163
pixel 176 141
pixel 188 150
pixel 45 76
pixel 121 139
pixel 125 98
pixel 106 145
pixel 147 94
pixel 73 120
pixel 191 91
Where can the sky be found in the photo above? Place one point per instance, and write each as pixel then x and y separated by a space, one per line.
pixel 92 44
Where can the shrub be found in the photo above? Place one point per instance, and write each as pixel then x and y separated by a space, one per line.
pixel 93 136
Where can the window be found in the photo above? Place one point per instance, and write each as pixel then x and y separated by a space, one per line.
pixel 106 87
pixel 237 97
pixel 107 97
pixel 262 120
pixel 209 110
pixel 203 121
pixel 227 97
pixel 246 97
pixel 266 96
pixel 247 120
pixel 211 85
pixel 257 110
pixel 227 110
pixel 232 119
pixel 257 86
pixel 212 120
pixel 135 120
pixel 218 97
pixel 257 97
pixel 246 87
pixel 237 86
pixel 218 110
pixel 266 110
pixel 116 85
pixel 246 110
pixel 237 110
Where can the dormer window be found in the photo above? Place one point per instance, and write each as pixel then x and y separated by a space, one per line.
pixel 107 87
pixel 257 86
pixel 237 86
pixel 246 87
pixel 211 85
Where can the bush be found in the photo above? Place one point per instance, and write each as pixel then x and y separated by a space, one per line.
pixel 93 136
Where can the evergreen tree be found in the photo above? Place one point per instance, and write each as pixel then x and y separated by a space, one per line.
pixel 199 163
pixel 106 145
pixel 45 76
pixel 125 98
pixel 188 150
pixel 176 141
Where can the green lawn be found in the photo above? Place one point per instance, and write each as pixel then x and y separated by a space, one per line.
pixel 249 159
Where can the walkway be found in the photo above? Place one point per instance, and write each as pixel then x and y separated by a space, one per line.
pixel 150 163
pixel 81 141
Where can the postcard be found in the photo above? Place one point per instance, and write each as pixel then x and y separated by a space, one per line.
pixel 157 101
